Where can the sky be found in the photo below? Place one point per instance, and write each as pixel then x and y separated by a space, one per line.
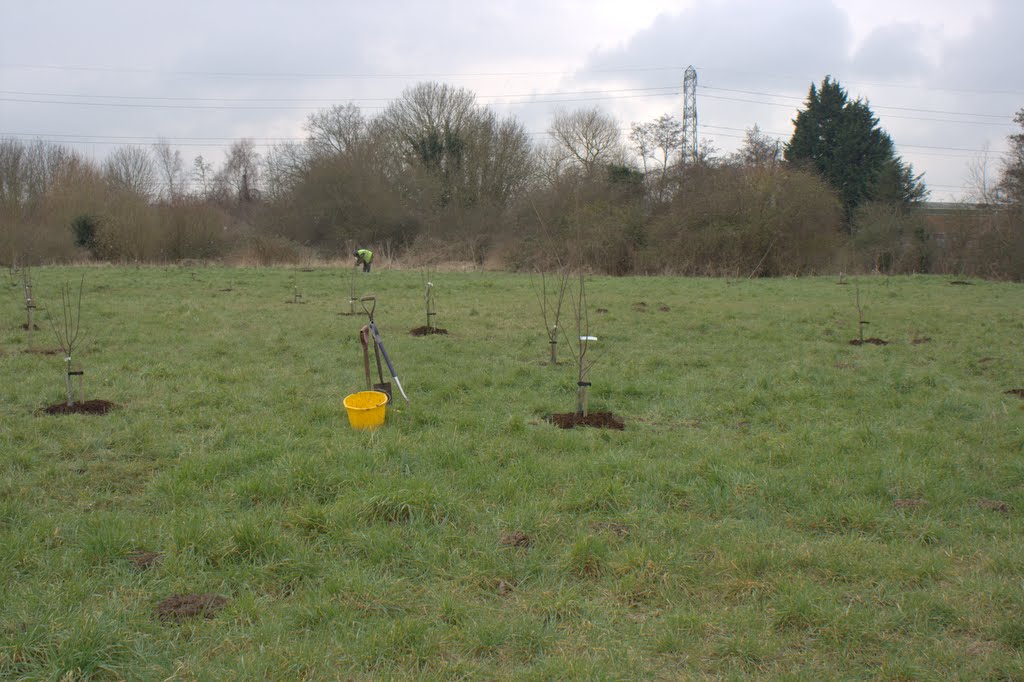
pixel 943 77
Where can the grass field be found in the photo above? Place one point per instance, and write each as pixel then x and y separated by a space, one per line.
pixel 781 504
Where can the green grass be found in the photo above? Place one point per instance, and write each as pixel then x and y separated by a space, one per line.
pixel 742 525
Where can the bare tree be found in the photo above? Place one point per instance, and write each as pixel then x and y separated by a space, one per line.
pixel 171 170
pixel 590 136
pixel 759 149
pixel 131 169
pixel 550 161
pixel 659 140
pixel 335 130
pixel 240 176
pixel 451 149
pixel 202 175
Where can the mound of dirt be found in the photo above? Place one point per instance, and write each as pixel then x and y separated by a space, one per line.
pixel 920 339
pixel 427 331
pixel 994 505
pixel 84 407
pixel 618 529
pixel 181 607
pixel 143 560
pixel 664 309
pixel 601 310
pixel 1019 392
pixel 599 420
pixel 961 282
pixel 515 539
pixel 872 341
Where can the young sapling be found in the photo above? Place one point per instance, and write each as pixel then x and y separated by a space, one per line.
pixel 430 307
pixel 296 294
pixel 68 333
pixel 581 348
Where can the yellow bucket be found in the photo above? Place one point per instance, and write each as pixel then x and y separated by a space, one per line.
pixel 366 409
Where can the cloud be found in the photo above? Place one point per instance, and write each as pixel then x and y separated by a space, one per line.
pixel 892 52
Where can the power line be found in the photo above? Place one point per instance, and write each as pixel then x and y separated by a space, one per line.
pixel 873 106
pixel 889 116
pixel 133 105
pixel 902 86
pixel 336 76
pixel 672 89
pixel 477 74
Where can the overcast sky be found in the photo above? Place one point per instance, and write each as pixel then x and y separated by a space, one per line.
pixel 943 76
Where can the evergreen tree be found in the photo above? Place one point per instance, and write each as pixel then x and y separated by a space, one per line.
pixel 1011 185
pixel 842 141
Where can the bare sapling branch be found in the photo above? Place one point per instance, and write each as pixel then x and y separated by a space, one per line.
pixel 551 300
pixel 68 331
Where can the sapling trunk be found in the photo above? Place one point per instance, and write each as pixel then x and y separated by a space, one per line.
pixel 30 305
pixel 69 384
pixel 428 299
pixel 860 315
pixel 352 293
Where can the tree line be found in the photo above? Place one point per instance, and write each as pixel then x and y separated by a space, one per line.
pixel 437 176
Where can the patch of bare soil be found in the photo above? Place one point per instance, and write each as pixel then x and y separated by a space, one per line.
pixel 664 309
pixel 1019 392
pixel 504 588
pixel 83 407
pixel 619 529
pixel 35 327
pixel 909 504
pixel 145 560
pixel 601 310
pixel 873 341
pixel 43 351
pixel 994 505
pixel 181 607
pixel 961 282
pixel 920 339
pixel 515 539
pixel 599 420
pixel 427 331
pixel 640 307
pixel 226 290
